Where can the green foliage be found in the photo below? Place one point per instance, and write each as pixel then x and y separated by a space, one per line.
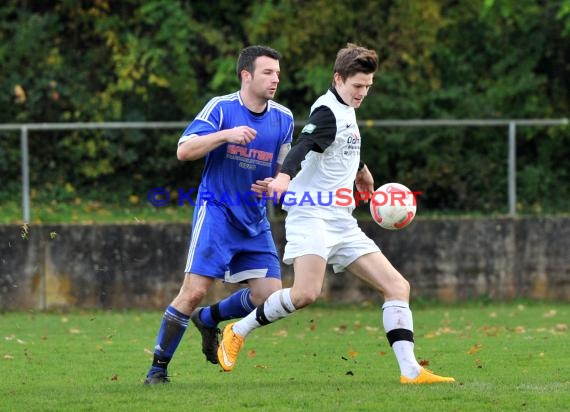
pixel 155 60
pixel 564 16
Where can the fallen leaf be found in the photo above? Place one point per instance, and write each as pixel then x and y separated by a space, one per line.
pixel 550 314
pixel 475 348
pixel 561 327
pixel 352 353
pixel 491 330
pixel 423 362
pixel 114 378
pixel 251 353
pixel 261 366
pixel 25 232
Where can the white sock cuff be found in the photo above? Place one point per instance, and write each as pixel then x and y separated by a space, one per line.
pixel 396 304
pixel 285 298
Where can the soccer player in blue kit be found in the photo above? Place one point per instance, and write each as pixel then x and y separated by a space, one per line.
pixel 244 137
pixel 327 153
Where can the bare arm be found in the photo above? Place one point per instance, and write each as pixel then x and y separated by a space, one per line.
pixel 364 181
pixel 197 147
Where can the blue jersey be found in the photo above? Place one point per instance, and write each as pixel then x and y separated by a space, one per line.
pixel 230 169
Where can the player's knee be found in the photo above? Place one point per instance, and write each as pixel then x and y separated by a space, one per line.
pixel 259 296
pixel 406 286
pixel 192 296
pixel 399 288
pixel 304 298
pixel 260 291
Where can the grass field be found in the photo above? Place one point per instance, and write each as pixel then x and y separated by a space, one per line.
pixel 89 212
pixel 505 357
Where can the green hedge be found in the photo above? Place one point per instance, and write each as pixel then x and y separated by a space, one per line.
pixel 161 61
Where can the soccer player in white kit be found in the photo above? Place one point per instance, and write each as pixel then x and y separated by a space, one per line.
pixel 327 153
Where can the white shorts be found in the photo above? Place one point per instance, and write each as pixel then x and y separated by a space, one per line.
pixel 335 236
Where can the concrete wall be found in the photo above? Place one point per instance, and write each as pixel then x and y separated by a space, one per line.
pixel 141 266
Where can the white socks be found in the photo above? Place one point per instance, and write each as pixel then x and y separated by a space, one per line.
pixel 277 306
pixel 397 319
pixel 399 326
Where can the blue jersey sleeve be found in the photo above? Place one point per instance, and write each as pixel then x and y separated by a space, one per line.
pixel 209 120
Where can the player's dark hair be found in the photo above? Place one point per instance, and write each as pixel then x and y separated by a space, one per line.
pixel 354 59
pixel 246 59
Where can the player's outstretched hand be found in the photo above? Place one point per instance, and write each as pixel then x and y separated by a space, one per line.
pixel 260 186
pixel 278 186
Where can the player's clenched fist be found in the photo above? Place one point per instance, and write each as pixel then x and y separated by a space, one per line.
pixel 241 134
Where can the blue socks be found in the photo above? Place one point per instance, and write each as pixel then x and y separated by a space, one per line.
pixel 174 324
pixel 170 334
pixel 237 305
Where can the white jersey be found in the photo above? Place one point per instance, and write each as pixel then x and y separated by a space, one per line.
pixel 327 179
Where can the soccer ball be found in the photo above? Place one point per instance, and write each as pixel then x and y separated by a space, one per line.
pixel 393 206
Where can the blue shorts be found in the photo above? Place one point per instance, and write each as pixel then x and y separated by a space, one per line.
pixel 220 250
